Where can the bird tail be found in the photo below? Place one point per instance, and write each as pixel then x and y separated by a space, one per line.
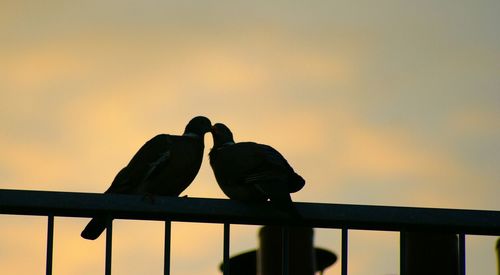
pixel 277 192
pixel 94 228
pixel 286 204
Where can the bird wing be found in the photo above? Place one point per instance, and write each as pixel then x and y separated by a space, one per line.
pixel 156 166
pixel 273 168
pixel 268 164
pixel 153 154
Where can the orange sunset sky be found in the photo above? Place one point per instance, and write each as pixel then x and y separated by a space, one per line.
pixel 372 102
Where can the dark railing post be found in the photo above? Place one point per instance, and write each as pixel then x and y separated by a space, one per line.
pixel 497 248
pixel 462 254
pixel 226 249
pixel 402 253
pixel 344 250
pixel 50 243
pixel 285 250
pixel 109 236
pixel 166 253
pixel 431 253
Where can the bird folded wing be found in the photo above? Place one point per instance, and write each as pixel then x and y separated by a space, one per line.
pixel 156 166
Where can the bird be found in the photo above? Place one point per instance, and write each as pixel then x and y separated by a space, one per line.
pixel 165 165
pixel 253 172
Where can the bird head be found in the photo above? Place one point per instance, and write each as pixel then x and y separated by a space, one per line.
pixel 198 126
pixel 221 135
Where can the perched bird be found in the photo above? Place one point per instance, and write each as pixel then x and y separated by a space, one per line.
pixel 249 171
pixel 164 166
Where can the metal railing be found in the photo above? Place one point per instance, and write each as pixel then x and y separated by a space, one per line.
pixel 227 212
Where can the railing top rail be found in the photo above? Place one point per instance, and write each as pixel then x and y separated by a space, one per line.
pixel 322 215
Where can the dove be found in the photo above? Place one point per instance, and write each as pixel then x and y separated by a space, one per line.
pixel 252 172
pixel 164 166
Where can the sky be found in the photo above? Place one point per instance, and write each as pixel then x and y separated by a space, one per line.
pixel 373 102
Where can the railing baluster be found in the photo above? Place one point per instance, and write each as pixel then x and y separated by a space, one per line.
pixel 461 249
pixel 50 243
pixel 344 250
pixel 109 236
pixel 285 253
pixel 226 249
pixel 402 253
pixel 166 255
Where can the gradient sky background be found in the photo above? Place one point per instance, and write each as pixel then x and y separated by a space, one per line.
pixel 373 102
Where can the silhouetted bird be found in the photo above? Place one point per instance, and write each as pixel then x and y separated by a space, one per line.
pixel 165 165
pixel 249 171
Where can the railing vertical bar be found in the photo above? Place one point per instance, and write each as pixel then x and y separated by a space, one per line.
pixel 402 253
pixel 285 253
pixel 50 244
pixel 166 253
pixel 109 236
pixel 226 249
pixel 462 254
pixel 344 250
